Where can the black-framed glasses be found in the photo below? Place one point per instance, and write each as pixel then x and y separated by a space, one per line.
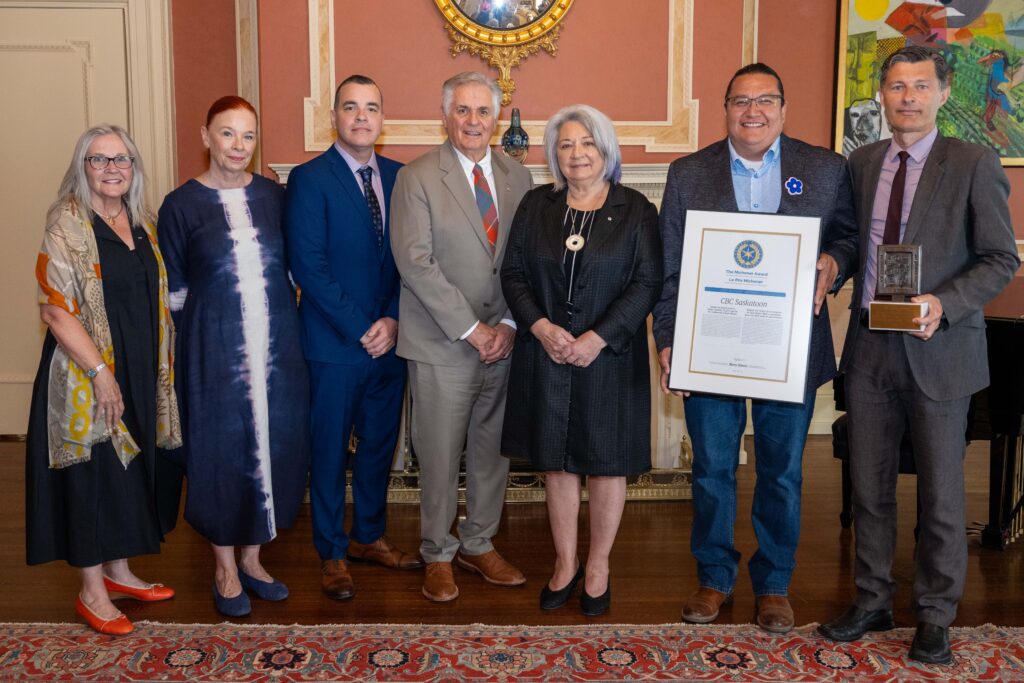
pixel 100 162
pixel 762 101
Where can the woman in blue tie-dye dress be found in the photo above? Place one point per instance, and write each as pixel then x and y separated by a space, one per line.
pixel 240 373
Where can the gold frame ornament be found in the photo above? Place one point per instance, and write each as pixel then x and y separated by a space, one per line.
pixel 504 49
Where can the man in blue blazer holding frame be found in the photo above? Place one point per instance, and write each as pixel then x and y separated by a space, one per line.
pixel 339 251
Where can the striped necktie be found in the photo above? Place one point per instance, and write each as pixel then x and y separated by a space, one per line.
pixel 485 203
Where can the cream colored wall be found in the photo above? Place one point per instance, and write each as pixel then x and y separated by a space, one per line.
pixel 64 67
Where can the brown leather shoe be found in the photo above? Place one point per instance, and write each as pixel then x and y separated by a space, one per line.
pixel 702 606
pixel 493 567
pixel 439 582
pixel 335 581
pixel 774 613
pixel 383 552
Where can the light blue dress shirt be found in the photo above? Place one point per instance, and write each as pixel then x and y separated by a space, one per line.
pixel 759 189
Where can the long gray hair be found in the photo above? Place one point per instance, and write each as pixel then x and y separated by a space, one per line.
pixel 75 186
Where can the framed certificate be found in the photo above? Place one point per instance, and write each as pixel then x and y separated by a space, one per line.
pixel 745 304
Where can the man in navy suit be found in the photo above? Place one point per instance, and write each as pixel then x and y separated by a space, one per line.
pixel 339 251
pixel 759 169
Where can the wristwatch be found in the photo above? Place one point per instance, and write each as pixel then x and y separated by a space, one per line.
pixel 92 372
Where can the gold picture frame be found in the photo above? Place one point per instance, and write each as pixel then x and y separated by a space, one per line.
pixel 504 33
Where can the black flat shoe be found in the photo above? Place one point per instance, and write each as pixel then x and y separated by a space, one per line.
pixel 550 599
pixel 855 622
pixel 595 607
pixel 931 644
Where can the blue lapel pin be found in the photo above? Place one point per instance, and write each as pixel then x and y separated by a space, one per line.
pixel 794 186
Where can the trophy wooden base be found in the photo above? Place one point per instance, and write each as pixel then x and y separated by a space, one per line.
pixel 895 316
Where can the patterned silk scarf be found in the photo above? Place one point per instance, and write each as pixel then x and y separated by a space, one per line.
pixel 68 271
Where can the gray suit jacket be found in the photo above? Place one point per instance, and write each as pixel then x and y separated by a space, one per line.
pixel 450 277
pixel 961 219
pixel 703 181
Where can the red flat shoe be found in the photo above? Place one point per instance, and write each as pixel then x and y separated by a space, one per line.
pixel 112 627
pixel 155 593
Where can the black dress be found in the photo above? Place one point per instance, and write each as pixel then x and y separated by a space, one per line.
pixel 594 420
pixel 99 511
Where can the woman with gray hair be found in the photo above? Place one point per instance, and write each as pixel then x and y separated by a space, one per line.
pixel 103 399
pixel 581 273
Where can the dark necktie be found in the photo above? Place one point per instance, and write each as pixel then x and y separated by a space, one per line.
pixel 895 213
pixel 366 173
pixel 485 203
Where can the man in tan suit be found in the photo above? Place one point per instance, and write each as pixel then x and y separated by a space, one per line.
pixel 450 216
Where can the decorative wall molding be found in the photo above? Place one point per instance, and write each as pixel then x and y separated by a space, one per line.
pixel 151 91
pixel 750 26
pixel 676 133
pixel 247 62
pixel 83 47
pixel 317 131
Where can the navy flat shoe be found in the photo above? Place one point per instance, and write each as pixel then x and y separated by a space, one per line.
pixel 237 606
pixel 271 591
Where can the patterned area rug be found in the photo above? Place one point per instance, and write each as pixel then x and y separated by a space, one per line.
pixel 395 652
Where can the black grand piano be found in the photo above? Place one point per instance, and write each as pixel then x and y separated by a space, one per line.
pixel 998 416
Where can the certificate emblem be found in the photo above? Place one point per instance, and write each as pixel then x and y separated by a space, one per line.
pixel 748 254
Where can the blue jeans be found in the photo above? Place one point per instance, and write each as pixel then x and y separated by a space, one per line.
pixel 716 425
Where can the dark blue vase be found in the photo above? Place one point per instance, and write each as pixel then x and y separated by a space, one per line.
pixel 515 142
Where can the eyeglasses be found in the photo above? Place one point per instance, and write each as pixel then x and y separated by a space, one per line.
pixel 762 101
pixel 100 162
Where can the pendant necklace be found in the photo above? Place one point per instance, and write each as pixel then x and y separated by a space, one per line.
pixel 110 218
pixel 575 241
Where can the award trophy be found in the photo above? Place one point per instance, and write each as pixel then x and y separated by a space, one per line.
pixel 898 267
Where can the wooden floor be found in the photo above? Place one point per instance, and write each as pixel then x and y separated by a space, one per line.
pixel 652 569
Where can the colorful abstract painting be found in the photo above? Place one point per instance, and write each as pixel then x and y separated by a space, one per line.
pixel 983 41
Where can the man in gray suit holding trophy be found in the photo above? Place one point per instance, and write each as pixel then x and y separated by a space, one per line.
pixel 947 201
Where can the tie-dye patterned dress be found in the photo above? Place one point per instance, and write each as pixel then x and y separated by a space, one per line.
pixel 240 375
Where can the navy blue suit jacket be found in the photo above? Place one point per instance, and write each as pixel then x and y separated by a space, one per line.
pixel 347 281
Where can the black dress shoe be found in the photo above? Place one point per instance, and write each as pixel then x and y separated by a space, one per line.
pixel 931 644
pixel 550 599
pixel 855 622
pixel 595 607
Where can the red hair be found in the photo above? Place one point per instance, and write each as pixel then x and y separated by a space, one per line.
pixel 227 103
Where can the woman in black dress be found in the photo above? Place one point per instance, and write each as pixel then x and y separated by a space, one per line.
pixel 581 273
pixel 103 399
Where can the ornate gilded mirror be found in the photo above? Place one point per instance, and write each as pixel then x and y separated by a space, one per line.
pixel 504 32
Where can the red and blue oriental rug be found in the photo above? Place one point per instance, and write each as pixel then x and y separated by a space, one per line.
pixel 393 652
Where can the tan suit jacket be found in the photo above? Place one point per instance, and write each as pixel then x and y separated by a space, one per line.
pixel 450 276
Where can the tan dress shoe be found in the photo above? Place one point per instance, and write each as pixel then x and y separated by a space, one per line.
pixel 774 613
pixel 493 567
pixel 702 606
pixel 439 582
pixel 335 581
pixel 383 552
